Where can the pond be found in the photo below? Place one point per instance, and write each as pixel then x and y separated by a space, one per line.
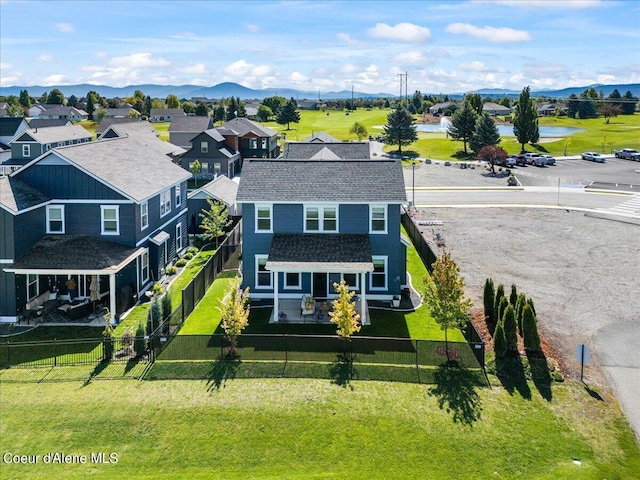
pixel 504 130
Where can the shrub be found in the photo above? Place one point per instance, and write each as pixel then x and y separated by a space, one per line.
pixel 156 289
pixel 513 298
pixel 188 256
pixel 499 342
pixel 489 295
pixel 509 326
pixel 138 342
pixel 165 303
pixel 504 303
pixel 496 302
pixel 107 343
pixel 171 270
pixel 192 250
pixel 522 301
pixel 181 263
pixel 154 316
pixel 530 329
pixel 127 338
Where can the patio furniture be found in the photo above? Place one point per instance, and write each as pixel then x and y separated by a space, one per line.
pixel 307 305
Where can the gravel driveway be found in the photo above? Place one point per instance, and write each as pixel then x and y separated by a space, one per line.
pixel 582 272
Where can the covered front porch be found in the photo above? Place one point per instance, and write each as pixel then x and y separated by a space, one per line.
pixel 291 310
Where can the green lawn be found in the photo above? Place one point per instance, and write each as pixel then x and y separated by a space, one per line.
pixel 301 429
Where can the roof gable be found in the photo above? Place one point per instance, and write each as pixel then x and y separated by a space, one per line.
pixel 15 195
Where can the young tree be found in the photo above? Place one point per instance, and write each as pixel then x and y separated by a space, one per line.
pixel 139 344
pixel 344 311
pixel 444 295
pixel 399 129
pixel 173 101
pixel 502 306
pixel 359 130
pixel 510 329
pixel 485 133
pixel 609 110
pixel 499 341
pixel 525 120
pixel 234 309
pixel 513 298
pixel 463 124
pixel 530 334
pixel 496 301
pixel 165 304
pixel 107 340
pixel 215 220
pixel 520 303
pixel 489 295
pixel 492 154
pixel 196 168
pixel 154 315
pixel 288 114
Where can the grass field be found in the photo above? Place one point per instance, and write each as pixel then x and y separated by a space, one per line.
pixel 300 429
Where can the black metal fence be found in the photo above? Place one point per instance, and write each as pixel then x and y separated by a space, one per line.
pixel 420 244
pixel 320 348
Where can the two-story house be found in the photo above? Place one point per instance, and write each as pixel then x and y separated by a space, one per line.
pixel 33 142
pixel 144 133
pixel 183 129
pixel 221 188
pixel 250 138
pixel 310 223
pixel 10 127
pixel 213 154
pixel 327 150
pixel 111 211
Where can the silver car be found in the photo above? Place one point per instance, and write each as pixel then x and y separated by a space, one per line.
pixel 593 156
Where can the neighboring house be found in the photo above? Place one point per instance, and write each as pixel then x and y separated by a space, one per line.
pixel 213 153
pixel 320 137
pixel 112 209
pixel 10 127
pixel 548 109
pixel 440 107
pixel 327 150
pixel 250 138
pixel 305 226
pixel 165 114
pixel 3 109
pixel 144 133
pixel 495 109
pixel 221 188
pixel 47 122
pixel 34 142
pixel 38 108
pixel 183 129
pixel 62 112
pixel 122 112
pixel 309 104
pixel 108 121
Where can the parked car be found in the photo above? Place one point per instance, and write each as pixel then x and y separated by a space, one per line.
pixel 550 159
pixel 593 156
pixel 635 157
pixel 535 159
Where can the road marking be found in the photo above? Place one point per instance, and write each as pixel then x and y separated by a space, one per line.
pixel 630 207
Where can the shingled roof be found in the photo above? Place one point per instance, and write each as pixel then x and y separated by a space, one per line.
pixel 190 123
pixel 349 150
pixel 64 133
pixel 222 188
pixel 241 126
pixel 278 180
pixel 15 195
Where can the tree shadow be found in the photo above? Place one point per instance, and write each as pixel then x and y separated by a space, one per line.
pixel 131 363
pixel 540 374
pixel 457 393
pixel 224 368
pixel 511 373
pixel 98 369
pixel 341 371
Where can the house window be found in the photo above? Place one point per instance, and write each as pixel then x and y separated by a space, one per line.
pixel 144 215
pixel 32 286
pixel 204 167
pixel 217 168
pixel 166 252
pixel 165 202
pixel 144 267
pixel 253 143
pixel 204 147
pixel 263 218
pixel 178 237
pixel 292 280
pixel 321 219
pixel 48 146
pixel 110 219
pixel 26 150
pixel 378 278
pixel 263 276
pixel 263 143
pixel 178 196
pixel 55 219
pixel 378 216
pixel 351 279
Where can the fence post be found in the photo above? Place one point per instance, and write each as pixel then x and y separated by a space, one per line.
pixel 55 352
pixel 8 355
pixel 417 346
pixel 286 349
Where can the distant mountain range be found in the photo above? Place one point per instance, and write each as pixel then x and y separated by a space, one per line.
pixel 225 90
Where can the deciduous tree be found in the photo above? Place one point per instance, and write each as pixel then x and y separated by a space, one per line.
pixel 444 295
pixel 25 99
pixel 196 168
pixel 215 220
pixel 608 110
pixel 344 313
pixel 173 101
pixel 399 129
pixel 56 97
pixel 492 154
pixel 359 130
pixel 234 309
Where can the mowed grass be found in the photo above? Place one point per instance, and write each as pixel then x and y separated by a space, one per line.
pixel 301 429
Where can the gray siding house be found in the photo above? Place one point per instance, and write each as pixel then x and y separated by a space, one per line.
pixel 301 233
pixel 183 129
pixel 213 154
pixel 221 188
pixel 34 142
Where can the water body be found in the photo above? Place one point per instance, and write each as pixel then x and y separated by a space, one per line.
pixel 504 130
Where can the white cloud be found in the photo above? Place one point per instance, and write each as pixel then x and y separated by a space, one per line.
pixel 139 60
pixel 297 77
pixel 238 68
pixel 489 34
pixel 252 28
pixel 474 66
pixel 528 4
pixel 5 66
pixel 412 58
pixel 348 68
pixel 45 58
pixel 197 69
pixel 406 32
pixel 55 79
pixel 64 27
pixel 346 38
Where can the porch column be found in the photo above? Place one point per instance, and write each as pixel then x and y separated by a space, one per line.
pixel 363 300
pixel 112 297
pixel 275 297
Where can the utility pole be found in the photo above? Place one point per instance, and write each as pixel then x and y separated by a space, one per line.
pixel 404 77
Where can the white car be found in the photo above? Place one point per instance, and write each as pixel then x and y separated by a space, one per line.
pixel 550 159
pixel 593 156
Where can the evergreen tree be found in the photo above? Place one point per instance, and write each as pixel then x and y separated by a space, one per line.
pixel 475 101
pixel 165 304
pixel 288 114
pixel 154 315
pixel 572 106
pixel 502 306
pixel 530 334
pixel 513 298
pixel 463 124
pixel 146 108
pixel 202 110
pixel 499 341
pixel 485 133
pixel 530 303
pixel 92 98
pixel 520 303
pixel 496 301
pixel 139 342
pixel 629 103
pixel 220 112
pixel 25 99
pixel 613 96
pixel 510 329
pixel 489 295
pixel 399 129
pixel 525 120
pixel 72 101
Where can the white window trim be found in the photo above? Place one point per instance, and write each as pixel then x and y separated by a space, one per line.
pixel 386 220
pixel 102 210
pixel 145 206
pixel 321 218
pixel 55 207
pixel 143 256
pixel 37 283
pixel 352 288
pixel 26 150
pixel 259 206
pixel 386 274
pixel 178 196
pixel 297 286
pixel 165 201
pixel 204 147
pixel 178 237
pixel 257 272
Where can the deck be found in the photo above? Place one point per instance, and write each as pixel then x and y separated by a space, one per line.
pixel 290 307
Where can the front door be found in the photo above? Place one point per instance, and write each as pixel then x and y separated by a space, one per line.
pixel 319 285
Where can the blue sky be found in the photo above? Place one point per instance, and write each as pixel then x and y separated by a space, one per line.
pixel 322 46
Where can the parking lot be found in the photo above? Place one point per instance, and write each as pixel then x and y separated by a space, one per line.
pixel 581 270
